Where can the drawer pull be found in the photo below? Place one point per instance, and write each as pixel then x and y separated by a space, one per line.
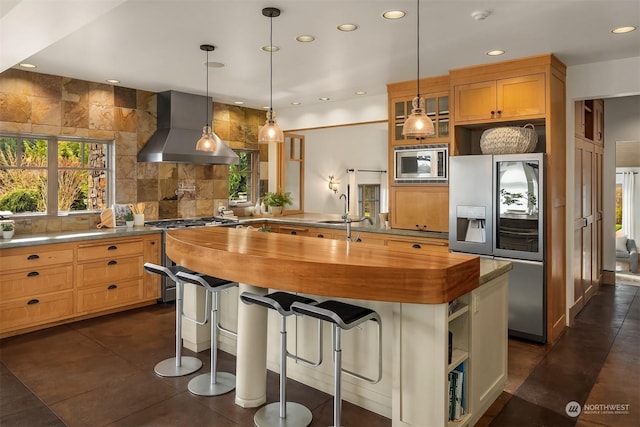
pixel 33 257
pixel 112 248
pixel 294 232
pixel 112 262
pixel 112 286
pixel 33 301
pixel 321 236
pixel 33 274
pixel 416 246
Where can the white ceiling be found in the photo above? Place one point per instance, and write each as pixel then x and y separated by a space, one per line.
pixel 154 44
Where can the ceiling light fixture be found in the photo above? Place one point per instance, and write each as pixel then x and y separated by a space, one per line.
pixel 394 14
pixel 324 98
pixel 623 30
pixel 270 132
pixel 26 65
pixel 496 52
pixel 209 141
pixel 418 125
pixel 360 92
pixel 347 27
pixel 113 81
pixel 305 38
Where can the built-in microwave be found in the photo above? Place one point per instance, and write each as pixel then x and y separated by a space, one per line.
pixel 421 164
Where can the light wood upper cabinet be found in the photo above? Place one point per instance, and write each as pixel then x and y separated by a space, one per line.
pixel 514 98
pixel 435 91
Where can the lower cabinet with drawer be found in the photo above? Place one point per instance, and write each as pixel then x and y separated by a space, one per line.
pixel 36 286
pixel 43 285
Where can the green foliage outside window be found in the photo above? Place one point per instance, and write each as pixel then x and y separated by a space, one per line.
pixel 238 176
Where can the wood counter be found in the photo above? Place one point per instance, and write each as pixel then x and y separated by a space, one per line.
pixel 325 267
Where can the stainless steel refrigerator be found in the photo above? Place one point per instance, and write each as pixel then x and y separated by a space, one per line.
pixel 496 206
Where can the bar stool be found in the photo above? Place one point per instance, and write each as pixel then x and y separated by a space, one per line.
pixel 179 365
pixel 342 316
pixel 283 413
pixel 214 383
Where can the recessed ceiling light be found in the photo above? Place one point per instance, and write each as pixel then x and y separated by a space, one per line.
pixel 622 30
pixel 360 92
pixel 394 14
pixel 324 98
pixel 270 48
pixel 347 27
pixel 113 81
pixel 495 52
pixel 238 102
pixel 266 107
pixel 480 15
pixel 26 65
pixel 305 38
pixel 296 103
pixel 215 65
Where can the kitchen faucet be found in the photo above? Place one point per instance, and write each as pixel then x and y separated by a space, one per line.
pixel 348 220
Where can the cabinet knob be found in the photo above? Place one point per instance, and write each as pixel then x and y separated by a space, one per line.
pixel 112 287
pixel 418 226
pixel 321 236
pixel 294 233
pixel 499 113
pixel 33 257
pixel 33 301
pixel 493 113
pixel 33 274
pixel 112 262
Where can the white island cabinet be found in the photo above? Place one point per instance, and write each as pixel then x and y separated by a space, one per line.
pixel 412 291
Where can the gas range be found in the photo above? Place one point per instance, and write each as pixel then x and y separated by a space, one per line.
pixel 168 288
pixel 170 224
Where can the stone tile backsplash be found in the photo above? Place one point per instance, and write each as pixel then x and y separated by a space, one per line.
pixel 54 105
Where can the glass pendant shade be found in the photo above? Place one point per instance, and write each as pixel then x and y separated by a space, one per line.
pixel 208 141
pixel 418 124
pixel 270 132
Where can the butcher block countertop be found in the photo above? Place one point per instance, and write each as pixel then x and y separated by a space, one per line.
pixel 325 267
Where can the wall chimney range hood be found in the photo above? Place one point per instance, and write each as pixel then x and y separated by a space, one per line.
pixel 179 126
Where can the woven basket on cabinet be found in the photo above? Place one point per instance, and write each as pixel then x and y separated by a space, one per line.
pixel 509 140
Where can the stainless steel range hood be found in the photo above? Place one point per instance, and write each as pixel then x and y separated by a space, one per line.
pixel 180 122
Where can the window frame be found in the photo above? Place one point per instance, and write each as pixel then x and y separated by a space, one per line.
pixel 253 183
pixel 52 171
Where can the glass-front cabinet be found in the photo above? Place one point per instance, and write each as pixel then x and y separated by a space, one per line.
pixel 436 107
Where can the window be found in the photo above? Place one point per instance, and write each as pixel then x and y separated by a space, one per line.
pixel 243 178
pixel 80 168
pixel 369 199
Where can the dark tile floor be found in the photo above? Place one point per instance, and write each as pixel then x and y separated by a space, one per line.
pixel 99 372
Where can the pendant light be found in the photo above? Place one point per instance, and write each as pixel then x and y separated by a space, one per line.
pixel 270 132
pixel 418 125
pixel 209 141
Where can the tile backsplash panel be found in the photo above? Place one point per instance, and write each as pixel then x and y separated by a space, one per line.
pixel 37 103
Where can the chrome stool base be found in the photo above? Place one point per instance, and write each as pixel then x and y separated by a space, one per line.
pixel 269 415
pixel 202 385
pixel 168 368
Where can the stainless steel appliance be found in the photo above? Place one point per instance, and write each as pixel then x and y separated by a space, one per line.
pixel 497 206
pixel 168 287
pixel 421 163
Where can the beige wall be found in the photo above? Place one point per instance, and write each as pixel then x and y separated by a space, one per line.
pixel 53 105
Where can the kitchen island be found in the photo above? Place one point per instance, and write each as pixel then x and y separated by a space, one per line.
pixel 412 292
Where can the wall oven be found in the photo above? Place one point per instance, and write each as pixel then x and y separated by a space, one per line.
pixel 421 164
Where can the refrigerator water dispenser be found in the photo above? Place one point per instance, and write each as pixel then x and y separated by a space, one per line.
pixel 471 222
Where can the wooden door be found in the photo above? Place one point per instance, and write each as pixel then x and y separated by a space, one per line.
pixel 598 121
pixel 475 101
pixel 583 225
pixel 598 208
pixel 521 97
